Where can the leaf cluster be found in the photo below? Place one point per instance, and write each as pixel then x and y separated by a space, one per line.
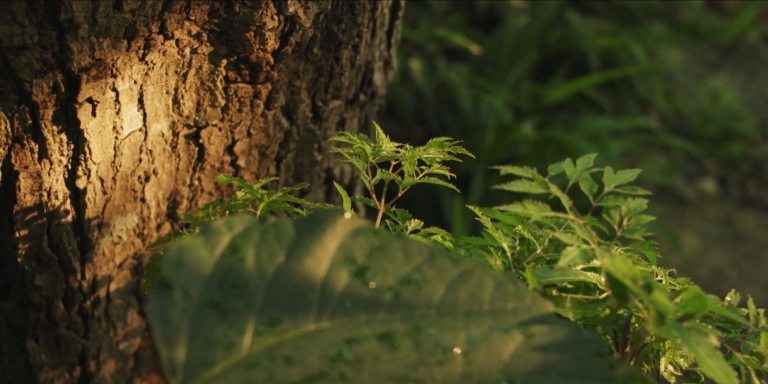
pixel 600 270
pixel 384 162
pixel 247 198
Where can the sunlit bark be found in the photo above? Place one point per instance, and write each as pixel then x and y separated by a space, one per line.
pixel 115 116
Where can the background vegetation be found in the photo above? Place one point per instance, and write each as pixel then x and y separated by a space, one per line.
pixel 677 89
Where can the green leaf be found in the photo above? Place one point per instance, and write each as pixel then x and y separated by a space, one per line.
pixel 568 238
pixel 381 138
pixel 238 182
pixel 647 248
pixel 364 200
pixel 583 231
pixel 703 348
pixel 753 317
pixel 436 181
pixel 593 222
pixel 560 276
pixel 555 169
pixel 633 206
pixel 622 177
pixel 528 172
pixel 612 216
pixel 582 165
pixel 507 219
pixel 323 297
pixel 640 219
pixel 569 168
pixel 694 304
pixel 743 20
pixel 346 202
pixel 612 201
pixel 350 158
pixel 635 233
pixel 519 229
pixel 383 174
pixel 564 199
pixel 531 277
pixel 588 186
pixel 572 87
pixel 530 208
pixel 574 256
pixel 524 186
pixel 632 190
pixel 497 234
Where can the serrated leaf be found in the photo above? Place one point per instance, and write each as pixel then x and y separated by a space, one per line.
pixel 519 229
pixel 569 168
pixel 624 176
pixel 349 158
pixel 612 201
pixel 635 233
pixel 524 186
pixel 436 181
pixel 508 219
pixel 632 190
pixel 555 169
pixel 704 350
pixel 574 256
pixel 381 137
pixel 503 240
pixel 241 183
pixel 647 248
pixel 528 172
pixel 582 165
pixel 582 231
pixel 588 186
pixel 640 220
pixel 694 304
pixel 383 174
pixel 633 206
pixel 752 310
pixel 564 199
pixel 254 301
pixel 365 201
pixel 568 238
pixel 346 203
pixel 531 278
pixel 559 276
pixel 593 222
pixel 531 208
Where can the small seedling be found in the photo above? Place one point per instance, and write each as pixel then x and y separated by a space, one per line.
pixel 385 162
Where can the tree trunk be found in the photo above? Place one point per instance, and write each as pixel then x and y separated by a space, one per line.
pixel 115 116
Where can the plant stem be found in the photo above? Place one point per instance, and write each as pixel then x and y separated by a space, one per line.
pixel 382 202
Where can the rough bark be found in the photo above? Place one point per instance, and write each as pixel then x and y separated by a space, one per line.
pixel 115 116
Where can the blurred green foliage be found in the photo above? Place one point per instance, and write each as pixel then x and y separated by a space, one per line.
pixel 641 82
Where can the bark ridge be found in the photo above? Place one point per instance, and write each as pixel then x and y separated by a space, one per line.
pixel 115 116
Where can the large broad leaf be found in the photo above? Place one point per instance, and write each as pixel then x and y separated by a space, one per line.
pixel 324 299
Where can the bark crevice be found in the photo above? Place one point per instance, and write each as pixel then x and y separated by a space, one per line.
pixel 115 116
